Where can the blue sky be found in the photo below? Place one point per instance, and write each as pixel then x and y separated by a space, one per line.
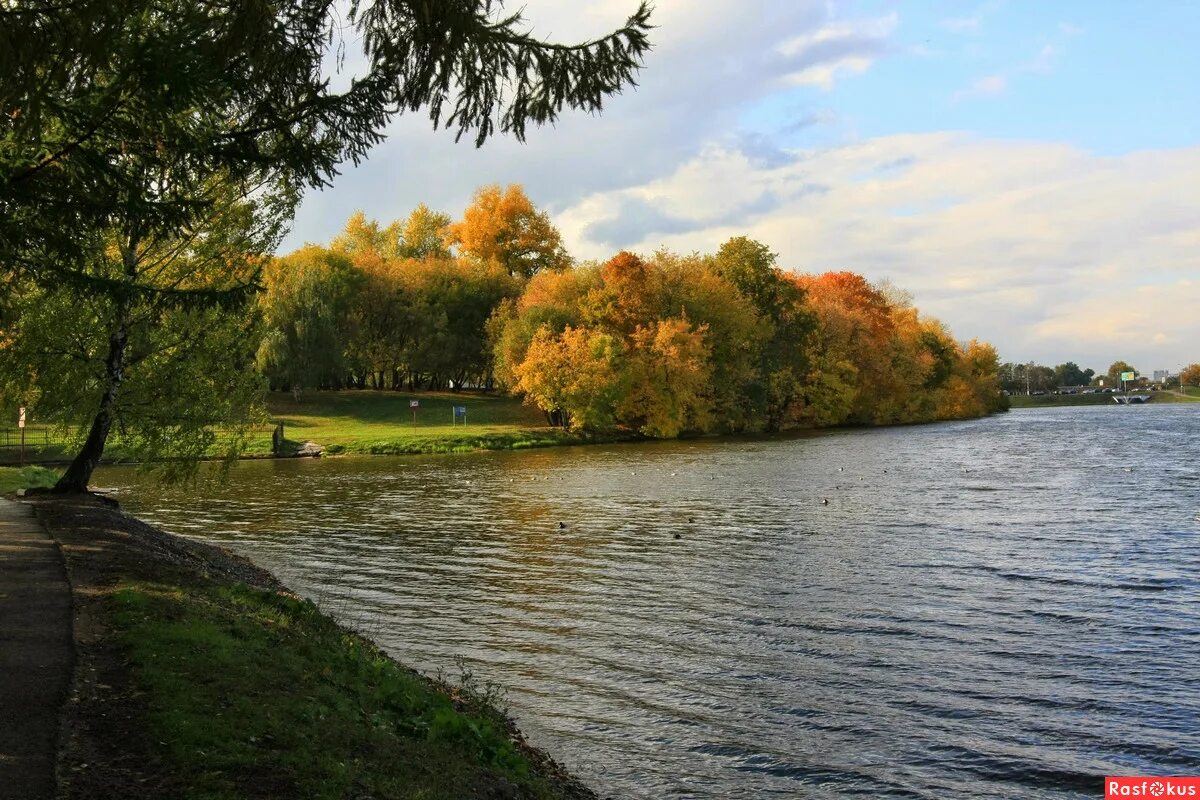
pixel 1107 76
pixel 1028 170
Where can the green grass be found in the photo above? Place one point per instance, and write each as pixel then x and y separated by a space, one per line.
pixel 14 478
pixel 378 423
pixel 1045 400
pixel 381 423
pixel 1190 395
pixel 255 694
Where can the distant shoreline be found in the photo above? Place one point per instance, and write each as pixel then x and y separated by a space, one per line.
pixel 1098 399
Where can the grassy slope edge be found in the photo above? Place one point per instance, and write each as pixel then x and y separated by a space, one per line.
pixel 15 478
pixel 198 676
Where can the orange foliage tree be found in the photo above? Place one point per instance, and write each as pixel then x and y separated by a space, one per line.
pixel 504 227
pixel 1190 375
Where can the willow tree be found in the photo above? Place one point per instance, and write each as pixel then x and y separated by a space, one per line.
pixel 131 124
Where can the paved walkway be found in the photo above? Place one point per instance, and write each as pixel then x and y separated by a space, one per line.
pixel 35 653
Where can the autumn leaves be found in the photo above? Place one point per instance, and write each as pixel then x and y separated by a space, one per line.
pixel 663 344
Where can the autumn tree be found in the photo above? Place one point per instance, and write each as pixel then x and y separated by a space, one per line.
pixel 576 377
pixel 1190 375
pixel 550 300
pixel 852 353
pixel 670 370
pixel 423 234
pixel 366 237
pixel 735 333
pixel 135 125
pixel 717 343
pixel 504 228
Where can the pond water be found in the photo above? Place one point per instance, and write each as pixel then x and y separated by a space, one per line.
pixel 1006 607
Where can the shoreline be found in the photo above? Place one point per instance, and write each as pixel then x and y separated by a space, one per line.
pixel 541 438
pixel 181 645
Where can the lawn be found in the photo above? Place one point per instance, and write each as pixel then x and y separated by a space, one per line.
pixel 1043 400
pixel 370 422
pixel 14 478
pixel 1192 394
pixel 381 422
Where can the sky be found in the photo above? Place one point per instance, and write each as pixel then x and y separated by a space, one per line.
pixel 1029 171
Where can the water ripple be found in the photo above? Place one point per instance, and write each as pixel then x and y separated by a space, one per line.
pixel 994 608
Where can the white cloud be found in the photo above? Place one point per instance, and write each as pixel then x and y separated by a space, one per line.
pixel 987 86
pixel 1144 319
pixel 837 49
pixel 1049 251
pixel 698 79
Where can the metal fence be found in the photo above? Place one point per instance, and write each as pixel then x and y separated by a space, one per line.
pixel 35 436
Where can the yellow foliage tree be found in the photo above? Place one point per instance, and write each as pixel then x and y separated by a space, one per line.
pixel 575 377
pixel 670 371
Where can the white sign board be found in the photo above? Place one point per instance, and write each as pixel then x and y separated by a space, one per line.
pixel 414 403
pixel 21 418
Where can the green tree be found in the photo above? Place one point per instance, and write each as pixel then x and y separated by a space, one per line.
pixel 128 124
pixel 308 319
pixel 750 267
pixel 424 233
pixel 1069 374
pixel 160 366
pixel 1114 372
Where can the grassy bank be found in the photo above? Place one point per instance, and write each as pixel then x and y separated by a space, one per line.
pixel 200 677
pixel 1048 400
pixel 15 478
pixel 376 423
pixel 382 423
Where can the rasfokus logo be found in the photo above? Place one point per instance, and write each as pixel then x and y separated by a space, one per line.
pixel 1151 787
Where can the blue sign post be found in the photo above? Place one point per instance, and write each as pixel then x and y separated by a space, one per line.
pixel 459 412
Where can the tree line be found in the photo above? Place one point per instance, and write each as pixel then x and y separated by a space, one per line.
pixel 151 153
pixel 663 344
pixel 1029 378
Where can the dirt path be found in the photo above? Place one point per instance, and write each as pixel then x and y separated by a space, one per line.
pixel 35 653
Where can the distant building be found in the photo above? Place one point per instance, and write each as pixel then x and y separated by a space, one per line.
pixel 1161 375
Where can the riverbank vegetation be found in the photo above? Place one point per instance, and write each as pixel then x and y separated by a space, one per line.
pixel 1190 394
pixel 384 423
pixel 1034 380
pixel 201 677
pixel 659 345
pixel 13 479
pixel 429 309
pixel 151 155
